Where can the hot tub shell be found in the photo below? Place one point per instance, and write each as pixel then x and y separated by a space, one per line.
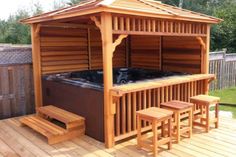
pixel 86 102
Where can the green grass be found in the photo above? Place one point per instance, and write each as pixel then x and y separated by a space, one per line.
pixel 227 96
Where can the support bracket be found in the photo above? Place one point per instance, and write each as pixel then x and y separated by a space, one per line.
pixel 37 30
pixel 118 41
pixel 202 43
pixel 96 21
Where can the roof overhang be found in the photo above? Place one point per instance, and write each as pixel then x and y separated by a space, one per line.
pixel 105 6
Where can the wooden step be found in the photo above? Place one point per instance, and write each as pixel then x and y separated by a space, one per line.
pixel 43 126
pixel 71 120
pixel 52 132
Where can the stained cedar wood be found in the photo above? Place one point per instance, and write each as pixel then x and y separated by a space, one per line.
pixel 181 54
pixel 62 50
pixel 166 92
pixel 131 7
pixel 134 87
pixel 107 41
pixel 63 63
pixel 35 29
pixel 145 52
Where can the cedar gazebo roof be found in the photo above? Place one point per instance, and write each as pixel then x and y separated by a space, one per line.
pixel 148 8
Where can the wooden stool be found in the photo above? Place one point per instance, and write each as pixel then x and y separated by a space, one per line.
pixel 202 110
pixel 182 110
pixel 155 116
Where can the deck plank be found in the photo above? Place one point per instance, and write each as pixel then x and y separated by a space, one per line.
pixel 18 141
pixel 15 141
pixel 35 138
pixel 5 150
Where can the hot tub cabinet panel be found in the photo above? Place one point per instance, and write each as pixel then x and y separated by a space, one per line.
pixel 86 102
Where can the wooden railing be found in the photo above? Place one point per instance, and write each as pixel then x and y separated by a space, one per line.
pixel 124 24
pixel 136 98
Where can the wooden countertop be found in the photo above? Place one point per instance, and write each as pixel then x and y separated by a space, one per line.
pixel 157 83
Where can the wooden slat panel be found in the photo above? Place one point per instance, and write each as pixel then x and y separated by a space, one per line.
pixel 182 54
pixel 67 49
pixel 145 51
pixel 73 55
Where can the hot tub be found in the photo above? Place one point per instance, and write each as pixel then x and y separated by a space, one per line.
pixel 82 92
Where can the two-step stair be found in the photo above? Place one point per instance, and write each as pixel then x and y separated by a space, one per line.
pixel 74 125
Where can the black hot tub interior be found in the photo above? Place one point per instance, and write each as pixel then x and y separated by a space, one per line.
pixel 82 92
pixel 120 76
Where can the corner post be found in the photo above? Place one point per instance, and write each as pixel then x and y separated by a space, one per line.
pixel 107 46
pixel 206 57
pixel 35 39
pixel 208 38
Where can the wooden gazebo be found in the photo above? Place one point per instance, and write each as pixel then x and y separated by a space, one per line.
pixel 102 34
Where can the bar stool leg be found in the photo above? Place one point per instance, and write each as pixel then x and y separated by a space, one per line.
pixel 155 138
pixel 190 123
pixel 217 115
pixel 178 127
pixel 139 132
pixel 170 132
pixel 202 113
pixel 207 119
pixel 163 129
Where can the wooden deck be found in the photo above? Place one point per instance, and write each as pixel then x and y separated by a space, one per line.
pixel 22 141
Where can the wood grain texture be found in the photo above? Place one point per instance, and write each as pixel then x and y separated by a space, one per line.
pixel 145 52
pixel 181 54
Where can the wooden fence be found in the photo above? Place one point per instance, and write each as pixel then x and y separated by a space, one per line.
pixel 16 85
pixel 224 67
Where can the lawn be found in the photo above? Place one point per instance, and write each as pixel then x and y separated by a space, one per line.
pixel 228 96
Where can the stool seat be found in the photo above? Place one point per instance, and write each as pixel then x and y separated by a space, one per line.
pixel 155 113
pixel 182 111
pixel 206 99
pixel 154 116
pixel 202 105
pixel 177 105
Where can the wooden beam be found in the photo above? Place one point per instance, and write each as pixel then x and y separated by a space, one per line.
pixel 107 46
pixel 158 33
pixel 68 25
pixel 36 57
pixel 117 42
pixel 96 21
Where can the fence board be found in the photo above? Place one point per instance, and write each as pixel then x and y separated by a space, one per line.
pixel 16 90
pixel 224 67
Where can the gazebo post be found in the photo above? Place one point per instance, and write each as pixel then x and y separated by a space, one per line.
pixel 208 38
pixel 107 41
pixel 206 58
pixel 35 37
